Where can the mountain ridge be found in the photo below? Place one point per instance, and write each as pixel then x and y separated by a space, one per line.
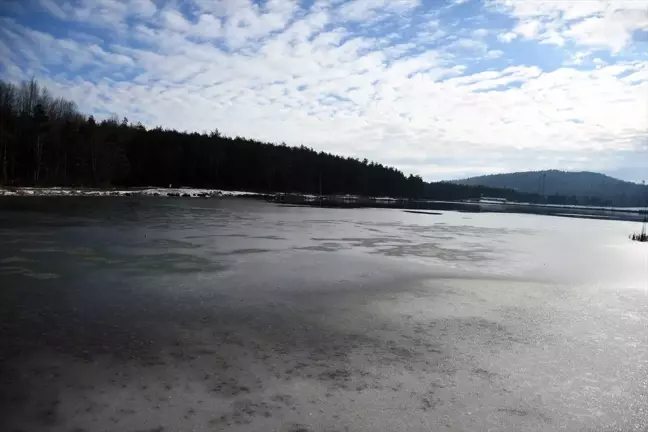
pixel 566 183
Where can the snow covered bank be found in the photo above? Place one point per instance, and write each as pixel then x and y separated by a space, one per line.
pixel 280 197
pixel 152 191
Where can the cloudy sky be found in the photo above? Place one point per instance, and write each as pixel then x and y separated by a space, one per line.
pixel 441 88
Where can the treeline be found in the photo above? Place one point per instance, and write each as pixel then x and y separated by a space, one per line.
pixel 447 191
pixel 46 141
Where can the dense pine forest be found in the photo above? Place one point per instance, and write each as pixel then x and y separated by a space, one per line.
pixel 46 141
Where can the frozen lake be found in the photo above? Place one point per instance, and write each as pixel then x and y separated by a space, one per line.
pixel 152 314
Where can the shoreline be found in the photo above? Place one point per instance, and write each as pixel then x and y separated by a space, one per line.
pixel 334 201
pixel 185 192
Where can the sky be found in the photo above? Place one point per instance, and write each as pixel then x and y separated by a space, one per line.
pixel 444 89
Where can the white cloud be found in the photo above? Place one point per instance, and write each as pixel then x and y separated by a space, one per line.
pixel 528 29
pixel 208 26
pixel 360 10
pixel 480 33
pixel 579 57
pixel 247 22
pixel 595 23
pixel 108 57
pixel 144 8
pixel 105 12
pixel 470 44
pixel 507 37
pixel 409 97
pixel 601 32
pixel 53 8
pixel 176 20
pixel 493 54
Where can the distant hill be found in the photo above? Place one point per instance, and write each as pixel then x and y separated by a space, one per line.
pixel 608 190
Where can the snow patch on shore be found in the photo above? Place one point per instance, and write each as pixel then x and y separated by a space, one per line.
pixel 151 191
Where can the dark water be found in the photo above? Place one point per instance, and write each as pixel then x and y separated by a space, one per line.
pixel 187 315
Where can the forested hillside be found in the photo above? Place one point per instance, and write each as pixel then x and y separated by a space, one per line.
pixel 568 184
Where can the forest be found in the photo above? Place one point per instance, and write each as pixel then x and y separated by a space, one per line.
pixel 46 141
